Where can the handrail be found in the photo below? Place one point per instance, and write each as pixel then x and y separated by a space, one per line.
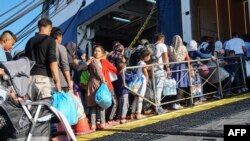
pixel 215 71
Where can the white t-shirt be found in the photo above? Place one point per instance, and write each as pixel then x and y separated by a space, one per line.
pixel 139 70
pixel 159 50
pixel 248 48
pixel 235 44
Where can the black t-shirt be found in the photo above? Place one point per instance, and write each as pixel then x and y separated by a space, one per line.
pixel 41 49
pixel 8 56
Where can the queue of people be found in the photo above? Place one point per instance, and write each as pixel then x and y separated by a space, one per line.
pixel 67 68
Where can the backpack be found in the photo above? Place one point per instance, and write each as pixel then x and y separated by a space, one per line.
pixel 135 57
pixel 84 79
pixel 154 58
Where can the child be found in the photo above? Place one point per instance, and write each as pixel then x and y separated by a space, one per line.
pixel 123 92
pixel 137 102
pixel 231 67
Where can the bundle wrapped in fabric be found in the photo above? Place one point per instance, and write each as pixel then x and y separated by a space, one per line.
pixel 64 103
pixel 103 97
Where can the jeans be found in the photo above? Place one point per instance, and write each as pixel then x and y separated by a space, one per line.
pixel 114 106
pixel 159 83
pixel 123 105
pixel 95 112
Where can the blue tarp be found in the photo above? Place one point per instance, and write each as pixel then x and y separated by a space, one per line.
pixel 169 18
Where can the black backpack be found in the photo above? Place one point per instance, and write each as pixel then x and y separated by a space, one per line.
pixel 135 57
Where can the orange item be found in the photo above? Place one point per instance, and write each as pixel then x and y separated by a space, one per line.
pixel 82 126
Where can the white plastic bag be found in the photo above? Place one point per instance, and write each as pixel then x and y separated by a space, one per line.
pixel 248 69
pixel 169 87
pixel 113 76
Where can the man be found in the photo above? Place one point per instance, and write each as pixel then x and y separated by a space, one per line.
pixel 65 78
pixel 238 45
pixel 42 49
pixel 62 59
pixel 7 40
pixel 161 56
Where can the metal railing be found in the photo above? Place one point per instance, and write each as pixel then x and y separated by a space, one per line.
pixel 192 68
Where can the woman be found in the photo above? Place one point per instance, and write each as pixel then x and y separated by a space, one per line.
pixel 95 80
pixel 178 53
pixel 108 68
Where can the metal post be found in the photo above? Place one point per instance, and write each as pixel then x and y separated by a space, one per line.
pixel 243 72
pixel 220 85
pixel 190 70
pixel 154 89
pixel 45 9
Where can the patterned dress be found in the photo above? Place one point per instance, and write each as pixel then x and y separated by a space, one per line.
pixel 178 53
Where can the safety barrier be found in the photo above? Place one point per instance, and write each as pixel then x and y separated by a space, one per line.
pixel 210 84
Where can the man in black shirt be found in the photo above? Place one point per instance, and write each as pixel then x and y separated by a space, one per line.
pixel 42 49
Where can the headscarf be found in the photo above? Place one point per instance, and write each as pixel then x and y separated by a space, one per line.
pixel 192 46
pixel 79 53
pixel 178 51
pixel 71 50
pixel 116 53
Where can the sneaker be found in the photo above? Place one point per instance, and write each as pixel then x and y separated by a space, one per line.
pixel 217 96
pixel 148 112
pixel 244 89
pixel 161 111
pixel 176 106
pixel 202 99
pixel 197 102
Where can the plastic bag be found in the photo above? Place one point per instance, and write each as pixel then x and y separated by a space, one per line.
pixel 248 69
pixel 113 76
pixel 103 96
pixel 136 83
pixel 84 78
pixel 64 103
pixel 196 89
pixel 169 87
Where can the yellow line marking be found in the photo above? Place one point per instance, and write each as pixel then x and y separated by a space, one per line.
pixel 158 118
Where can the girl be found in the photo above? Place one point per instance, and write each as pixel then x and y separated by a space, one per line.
pixel 108 68
pixel 123 92
pixel 137 103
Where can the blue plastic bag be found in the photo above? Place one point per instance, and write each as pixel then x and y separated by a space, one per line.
pixel 136 83
pixel 64 103
pixel 103 96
